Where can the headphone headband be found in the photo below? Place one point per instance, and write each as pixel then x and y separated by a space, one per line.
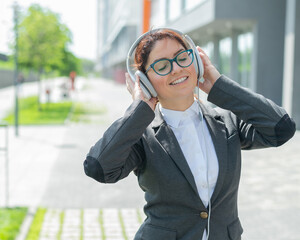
pixel 140 38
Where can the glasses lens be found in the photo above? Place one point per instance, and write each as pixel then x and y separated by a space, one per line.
pixel 162 67
pixel 185 58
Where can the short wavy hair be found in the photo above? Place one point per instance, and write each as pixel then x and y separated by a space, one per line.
pixel 146 45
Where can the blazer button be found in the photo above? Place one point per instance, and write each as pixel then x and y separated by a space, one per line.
pixel 204 215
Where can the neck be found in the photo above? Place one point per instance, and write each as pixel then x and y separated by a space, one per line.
pixel 177 104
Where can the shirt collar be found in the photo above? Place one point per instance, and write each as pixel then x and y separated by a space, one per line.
pixel 173 117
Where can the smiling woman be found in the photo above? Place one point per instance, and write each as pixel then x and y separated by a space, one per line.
pixel 186 154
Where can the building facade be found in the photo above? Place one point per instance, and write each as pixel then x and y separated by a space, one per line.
pixel 118 27
pixel 255 42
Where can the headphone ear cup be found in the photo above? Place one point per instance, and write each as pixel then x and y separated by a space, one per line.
pixel 199 64
pixel 145 83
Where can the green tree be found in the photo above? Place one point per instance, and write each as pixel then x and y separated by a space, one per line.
pixel 43 43
pixel 70 63
pixel 43 40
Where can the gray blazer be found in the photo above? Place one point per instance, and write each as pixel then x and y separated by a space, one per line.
pixel 142 142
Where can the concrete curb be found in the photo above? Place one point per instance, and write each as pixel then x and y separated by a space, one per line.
pixel 26 224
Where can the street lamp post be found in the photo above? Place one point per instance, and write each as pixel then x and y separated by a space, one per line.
pixel 16 73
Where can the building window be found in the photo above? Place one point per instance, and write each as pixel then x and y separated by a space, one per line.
pixel 158 13
pixel 225 55
pixel 208 48
pixel 190 4
pixel 174 9
pixel 245 47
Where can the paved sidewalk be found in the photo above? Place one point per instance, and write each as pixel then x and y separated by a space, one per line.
pixel 45 164
pixel 92 224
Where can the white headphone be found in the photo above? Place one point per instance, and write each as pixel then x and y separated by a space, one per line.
pixel 145 84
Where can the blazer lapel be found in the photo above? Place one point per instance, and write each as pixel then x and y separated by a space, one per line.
pixel 169 142
pixel 218 134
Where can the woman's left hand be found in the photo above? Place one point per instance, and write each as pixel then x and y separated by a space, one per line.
pixel 136 92
pixel 211 74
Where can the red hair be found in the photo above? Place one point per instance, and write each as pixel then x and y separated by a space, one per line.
pixel 146 45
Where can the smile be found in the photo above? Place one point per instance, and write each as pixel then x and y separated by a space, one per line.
pixel 180 80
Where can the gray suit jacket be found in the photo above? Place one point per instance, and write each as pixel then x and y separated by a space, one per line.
pixel 174 210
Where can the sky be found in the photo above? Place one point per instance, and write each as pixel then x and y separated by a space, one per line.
pixel 80 17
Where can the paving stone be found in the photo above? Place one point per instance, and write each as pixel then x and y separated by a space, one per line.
pixel 91 234
pixel 71 234
pixel 113 232
pixel 115 224
pixel 114 238
pixel 51 228
pixel 90 226
pixel 71 225
pixel 113 228
pixel 48 238
pixel 70 238
pixel 49 235
pixel 71 231
pixel 131 224
pixel 51 224
pixel 91 210
pixel 129 212
pixel 132 229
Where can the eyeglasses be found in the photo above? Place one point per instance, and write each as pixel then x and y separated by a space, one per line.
pixel 164 66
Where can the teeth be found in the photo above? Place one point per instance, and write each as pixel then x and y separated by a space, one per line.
pixel 180 80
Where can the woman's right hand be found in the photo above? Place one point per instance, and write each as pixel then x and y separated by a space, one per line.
pixel 136 92
pixel 211 74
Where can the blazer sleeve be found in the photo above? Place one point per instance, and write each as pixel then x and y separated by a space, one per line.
pixel 260 122
pixel 120 151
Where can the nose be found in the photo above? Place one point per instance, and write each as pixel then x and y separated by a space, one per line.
pixel 175 68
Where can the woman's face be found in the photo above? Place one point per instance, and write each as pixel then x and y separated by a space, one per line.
pixel 179 84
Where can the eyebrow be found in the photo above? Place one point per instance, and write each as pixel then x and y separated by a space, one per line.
pixel 180 50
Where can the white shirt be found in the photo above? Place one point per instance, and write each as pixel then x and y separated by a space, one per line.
pixel 195 141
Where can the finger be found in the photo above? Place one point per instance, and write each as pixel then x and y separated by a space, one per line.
pixel 128 80
pixel 204 57
pixel 137 82
pixel 201 50
pixel 154 100
pixel 129 83
pixel 137 79
pixel 202 53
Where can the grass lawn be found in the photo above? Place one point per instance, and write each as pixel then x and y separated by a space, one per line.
pixel 53 113
pixel 50 113
pixel 36 224
pixel 84 112
pixel 10 222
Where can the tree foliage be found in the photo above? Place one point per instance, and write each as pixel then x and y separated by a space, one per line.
pixel 70 63
pixel 43 41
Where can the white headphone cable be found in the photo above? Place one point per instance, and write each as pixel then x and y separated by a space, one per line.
pixel 207 170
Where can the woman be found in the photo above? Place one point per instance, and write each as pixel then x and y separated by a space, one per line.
pixel 186 155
